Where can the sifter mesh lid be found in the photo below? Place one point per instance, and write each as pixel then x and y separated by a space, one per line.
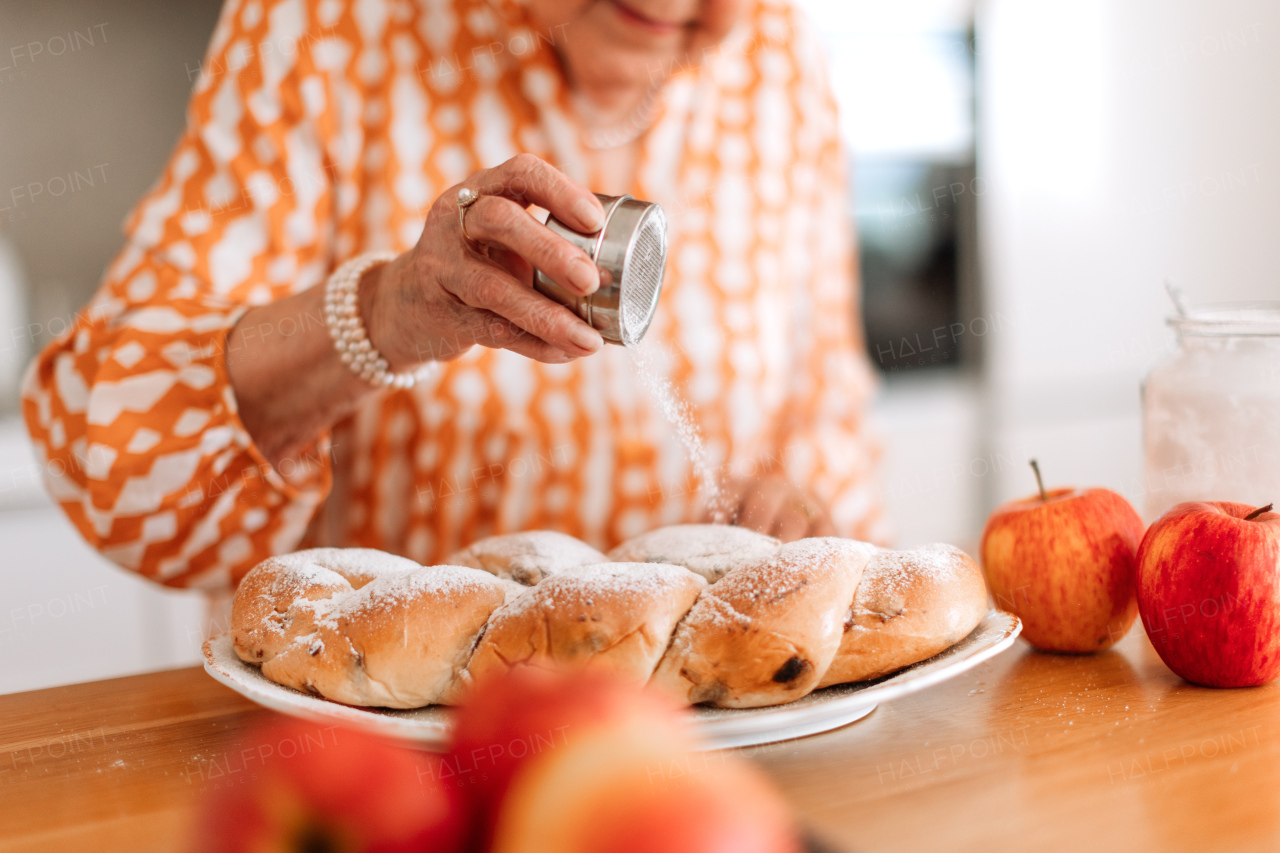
pixel 642 276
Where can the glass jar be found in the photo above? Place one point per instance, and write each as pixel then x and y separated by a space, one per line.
pixel 1211 409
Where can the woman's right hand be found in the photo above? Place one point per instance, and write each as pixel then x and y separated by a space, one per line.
pixel 434 302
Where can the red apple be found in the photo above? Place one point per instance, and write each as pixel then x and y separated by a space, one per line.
pixel 1209 592
pixel 626 791
pixel 1063 561
pixel 519 717
pixel 295 786
pixel 582 763
pixel 516 717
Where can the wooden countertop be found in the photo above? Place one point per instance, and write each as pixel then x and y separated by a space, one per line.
pixel 1025 752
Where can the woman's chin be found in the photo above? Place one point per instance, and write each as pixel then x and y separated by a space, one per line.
pixel 613 36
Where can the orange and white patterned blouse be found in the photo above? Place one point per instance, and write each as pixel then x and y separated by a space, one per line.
pixel 321 129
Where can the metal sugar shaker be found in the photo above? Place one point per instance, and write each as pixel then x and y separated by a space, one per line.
pixel 631 251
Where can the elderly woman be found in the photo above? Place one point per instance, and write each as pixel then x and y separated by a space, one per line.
pixel 198 416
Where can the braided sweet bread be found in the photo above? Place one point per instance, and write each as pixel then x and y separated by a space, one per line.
pixel 710 550
pixel 713 615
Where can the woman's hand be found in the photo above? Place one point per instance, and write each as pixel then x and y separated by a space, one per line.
pixel 433 302
pixel 774 505
pixel 448 293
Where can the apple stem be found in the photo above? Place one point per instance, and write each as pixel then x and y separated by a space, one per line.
pixel 1040 482
pixel 1257 512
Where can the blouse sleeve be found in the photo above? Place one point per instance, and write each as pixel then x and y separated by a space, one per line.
pixel 825 442
pixel 131 410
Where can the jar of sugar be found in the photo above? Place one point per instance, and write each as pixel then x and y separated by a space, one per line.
pixel 1211 409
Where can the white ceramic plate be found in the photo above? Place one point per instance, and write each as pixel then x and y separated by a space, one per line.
pixel 820 711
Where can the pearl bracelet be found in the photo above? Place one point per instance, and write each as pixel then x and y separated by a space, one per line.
pixel 342 317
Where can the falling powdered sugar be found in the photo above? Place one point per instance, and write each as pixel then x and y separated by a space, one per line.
pixel 679 414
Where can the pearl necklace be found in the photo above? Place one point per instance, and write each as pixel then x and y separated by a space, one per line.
pixel 624 132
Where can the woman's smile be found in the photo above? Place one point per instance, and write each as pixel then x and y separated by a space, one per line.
pixel 650 24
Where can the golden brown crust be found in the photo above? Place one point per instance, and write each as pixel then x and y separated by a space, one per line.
pixel 910 606
pixel 367 628
pixel 616 617
pixel 766 633
pixel 527 557
pixel 362 627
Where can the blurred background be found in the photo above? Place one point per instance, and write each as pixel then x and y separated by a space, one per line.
pixel 1027 175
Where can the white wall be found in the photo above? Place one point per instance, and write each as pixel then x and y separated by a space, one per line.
pixel 1120 143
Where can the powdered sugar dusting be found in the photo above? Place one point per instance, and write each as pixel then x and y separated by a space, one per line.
pixel 712 610
pixel 627 577
pixel 297 579
pixel 826 554
pixel 328 591
pixel 896 572
pixel 583 585
pixel 527 557
pixel 326 583
pixel 358 565
pixel 429 581
pixel 511 589
pixel 792 567
pixel 678 413
pixel 711 550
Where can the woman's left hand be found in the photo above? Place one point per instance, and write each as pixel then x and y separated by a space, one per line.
pixel 774 505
